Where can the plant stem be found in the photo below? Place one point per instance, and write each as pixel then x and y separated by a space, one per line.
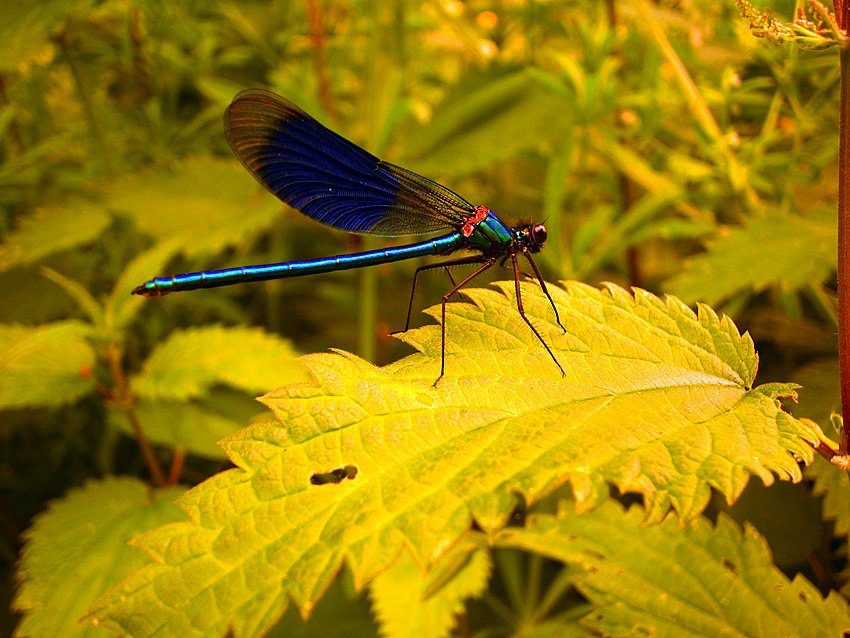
pixel 155 470
pixel 121 397
pixel 843 214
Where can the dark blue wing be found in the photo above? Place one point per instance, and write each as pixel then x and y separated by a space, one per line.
pixel 328 178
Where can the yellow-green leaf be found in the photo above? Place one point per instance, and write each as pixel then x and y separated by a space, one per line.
pixel 410 603
pixel 667 580
pixel 501 115
pixel 204 204
pixel 47 365
pixel 190 361
pixel 786 250
pixel 121 306
pixel 196 426
pixel 77 549
pixel 26 29
pixel 657 400
pixel 49 230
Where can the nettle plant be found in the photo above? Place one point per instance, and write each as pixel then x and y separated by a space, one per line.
pixel 586 491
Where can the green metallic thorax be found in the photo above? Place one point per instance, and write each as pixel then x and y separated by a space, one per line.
pixel 491 235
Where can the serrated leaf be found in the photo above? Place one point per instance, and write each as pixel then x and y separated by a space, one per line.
pixel 190 361
pixel 47 365
pixel 78 549
pixel 667 580
pixel 786 250
pixel 833 484
pixel 657 400
pixel 341 609
pixel 204 204
pixel 410 603
pixel 49 230
pixel 196 426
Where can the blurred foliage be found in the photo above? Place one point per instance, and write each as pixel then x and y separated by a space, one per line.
pixel 663 144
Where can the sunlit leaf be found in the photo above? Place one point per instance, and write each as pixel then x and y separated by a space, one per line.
pixel 667 580
pixel 205 204
pixel 47 365
pixel 657 400
pixel 77 549
pixel 408 603
pixel 187 363
pixel 778 250
pixel 49 230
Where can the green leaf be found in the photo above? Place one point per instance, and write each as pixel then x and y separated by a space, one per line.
pixel 821 393
pixel 26 29
pixel 558 629
pixel 408 603
pixel 121 305
pixel 47 365
pixel 491 119
pixel 341 609
pixel 77 549
pixel 657 400
pixel 786 250
pixel 49 230
pixel 833 484
pixel 667 580
pixel 204 204
pixel 190 361
pixel 196 426
pixel 76 291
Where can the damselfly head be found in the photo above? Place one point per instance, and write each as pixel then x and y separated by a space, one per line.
pixel 538 234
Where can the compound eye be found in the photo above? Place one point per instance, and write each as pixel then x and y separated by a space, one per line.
pixel 539 234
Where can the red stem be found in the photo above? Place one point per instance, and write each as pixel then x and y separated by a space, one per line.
pixel 841 11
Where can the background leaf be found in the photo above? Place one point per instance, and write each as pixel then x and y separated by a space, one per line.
pixel 492 118
pixel 669 581
pixel 196 425
pixel 27 26
pixel 657 400
pixel 51 229
pixel 410 603
pixel 787 250
pixel 833 484
pixel 48 365
pixel 199 204
pixel 78 549
pixel 190 361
